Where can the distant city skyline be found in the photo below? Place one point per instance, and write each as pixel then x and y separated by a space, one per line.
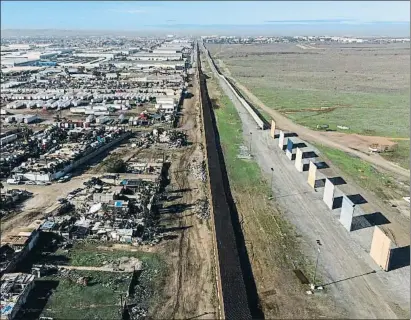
pixel 362 17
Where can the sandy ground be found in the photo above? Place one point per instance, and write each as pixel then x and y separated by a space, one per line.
pixel 340 141
pixel 190 290
pixel 349 274
pixel 43 202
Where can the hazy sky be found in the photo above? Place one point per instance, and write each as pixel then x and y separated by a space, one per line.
pixel 130 15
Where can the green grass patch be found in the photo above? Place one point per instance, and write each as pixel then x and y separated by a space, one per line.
pixel 99 300
pixel 363 173
pixel 363 113
pixel 401 155
pixel 369 95
pixel 73 301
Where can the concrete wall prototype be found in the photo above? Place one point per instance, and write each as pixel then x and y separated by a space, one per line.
pixel 380 248
pixel 272 130
pixel 299 160
pixel 328 196
pixel 347 212
pixel 282 140
pixel 289 151
pixel 250 110
pixel 312 174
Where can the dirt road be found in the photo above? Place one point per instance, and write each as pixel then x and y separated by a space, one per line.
pixel 190 291
pixel 348 273
pixel 309 135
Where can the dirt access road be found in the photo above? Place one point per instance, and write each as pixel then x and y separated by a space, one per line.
pixel 190 289
pixel 346 270
pixel 330 140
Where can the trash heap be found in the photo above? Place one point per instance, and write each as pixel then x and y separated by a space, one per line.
pixel 138 312
pixel 202 209
pixel 198 170
pixel 178 139
pixel 174 139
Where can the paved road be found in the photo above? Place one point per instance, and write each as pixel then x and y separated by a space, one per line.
pixel 345 264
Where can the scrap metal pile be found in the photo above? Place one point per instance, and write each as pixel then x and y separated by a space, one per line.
pixel 174 139
pixel 126 213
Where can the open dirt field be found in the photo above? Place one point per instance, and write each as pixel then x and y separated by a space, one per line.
pixel 190 290
pixel 351 279
pixel 363 87
pixel 43 202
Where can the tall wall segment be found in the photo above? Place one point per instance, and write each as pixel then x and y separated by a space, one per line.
pixel 232 279
pixel 261 122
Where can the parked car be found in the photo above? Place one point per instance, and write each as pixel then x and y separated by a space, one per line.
pixel 30 182
pixel 12 181
pixel 63 179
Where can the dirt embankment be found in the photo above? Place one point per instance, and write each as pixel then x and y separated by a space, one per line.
pixel 190 290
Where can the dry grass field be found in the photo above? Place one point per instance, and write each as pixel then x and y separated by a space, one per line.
pixel 361 86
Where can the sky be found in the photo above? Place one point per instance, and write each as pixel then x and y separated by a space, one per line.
pixel 133 15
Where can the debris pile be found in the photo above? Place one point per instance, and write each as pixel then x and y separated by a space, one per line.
pixel 202 209
pixel 244 153
pixel 177 139
pixel 138 312
pixel 198 170
pixel 10 198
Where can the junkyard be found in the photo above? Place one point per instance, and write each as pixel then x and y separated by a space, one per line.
pixel 104 189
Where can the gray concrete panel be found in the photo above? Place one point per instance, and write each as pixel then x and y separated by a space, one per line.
pixel 299 160
pixel 347 212
pixel 329 190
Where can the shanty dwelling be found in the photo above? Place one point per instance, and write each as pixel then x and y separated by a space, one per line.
pixel 15 287
pixel 22 242
pixel 167 108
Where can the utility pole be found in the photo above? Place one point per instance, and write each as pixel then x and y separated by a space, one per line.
pixel 251 140
pixel 319 244
pixel 121 305
pixel 272 177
